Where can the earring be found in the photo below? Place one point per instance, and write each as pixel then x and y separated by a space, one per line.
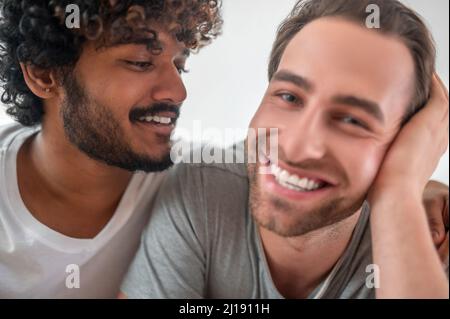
pixel 47 90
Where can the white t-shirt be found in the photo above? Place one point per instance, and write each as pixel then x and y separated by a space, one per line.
pixel 38 262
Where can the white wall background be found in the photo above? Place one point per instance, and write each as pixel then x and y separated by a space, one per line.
pixel 227 79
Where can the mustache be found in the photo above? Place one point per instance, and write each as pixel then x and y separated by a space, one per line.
pixel 139 112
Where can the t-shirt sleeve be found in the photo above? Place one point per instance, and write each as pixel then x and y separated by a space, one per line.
pixel 170 262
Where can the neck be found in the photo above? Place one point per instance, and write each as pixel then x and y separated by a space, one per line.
pixel 80 190
pixel 299 264
pixel 70 174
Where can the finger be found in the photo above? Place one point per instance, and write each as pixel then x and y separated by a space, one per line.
pixel 444 139
pixel 438 101
pixel 434 116
pixel 442 84
pixel 445 214
pixel 443 251
pixel 435 220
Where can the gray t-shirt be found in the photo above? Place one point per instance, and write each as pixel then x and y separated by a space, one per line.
pixel 202 242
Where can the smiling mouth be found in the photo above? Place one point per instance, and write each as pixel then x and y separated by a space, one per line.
pixel 158 120
pixel 294 182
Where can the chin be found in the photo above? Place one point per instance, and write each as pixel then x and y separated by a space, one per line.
pixel 280 224
pixel 156 150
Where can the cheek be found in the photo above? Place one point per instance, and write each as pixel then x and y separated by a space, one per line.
pixel 361 161
pixel 119 96
pixel 271 116
pixel 368 167
pixel 117 89
pixel 260 116
pixel 126 87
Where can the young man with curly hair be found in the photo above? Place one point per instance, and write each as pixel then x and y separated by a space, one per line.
pixel 95 108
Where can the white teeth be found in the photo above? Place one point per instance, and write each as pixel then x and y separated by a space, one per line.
pixel 303 183
pixel 275 169
pixel 284 175
pixel 312 185
pixel 156 119
pixel 292 181
pixel 162 119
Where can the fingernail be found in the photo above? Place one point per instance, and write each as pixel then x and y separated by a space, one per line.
pixel 435 234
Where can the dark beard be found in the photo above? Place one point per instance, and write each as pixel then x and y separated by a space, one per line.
pixel 330 213
pixel 92 128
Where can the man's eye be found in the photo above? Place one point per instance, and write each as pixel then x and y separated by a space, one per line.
pixel 287 97
pixel 140 65
pixel 352 121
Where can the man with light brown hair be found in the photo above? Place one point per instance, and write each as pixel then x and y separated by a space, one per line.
pixel 340 214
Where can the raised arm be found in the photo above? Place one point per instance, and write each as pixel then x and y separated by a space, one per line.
pixel 403 247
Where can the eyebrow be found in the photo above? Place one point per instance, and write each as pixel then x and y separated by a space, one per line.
pixel 185 52
pixel 286 76
pixel 366 105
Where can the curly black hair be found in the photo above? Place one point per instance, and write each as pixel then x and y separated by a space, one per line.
pixel 34 32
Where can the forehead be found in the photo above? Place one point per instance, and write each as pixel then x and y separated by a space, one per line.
pixel 168 39
pixel 341 57
pixel 166 44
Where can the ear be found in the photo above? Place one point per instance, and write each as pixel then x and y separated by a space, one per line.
pixel 41 82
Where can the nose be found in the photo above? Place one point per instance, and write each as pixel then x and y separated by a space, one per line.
pixel 305 136
pixel 169 86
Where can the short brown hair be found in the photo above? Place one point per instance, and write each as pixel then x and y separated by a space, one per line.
pixel 395 19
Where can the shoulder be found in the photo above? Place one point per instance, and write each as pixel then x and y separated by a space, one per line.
pixel 200 180
pixel 9 132
pixel 208 195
